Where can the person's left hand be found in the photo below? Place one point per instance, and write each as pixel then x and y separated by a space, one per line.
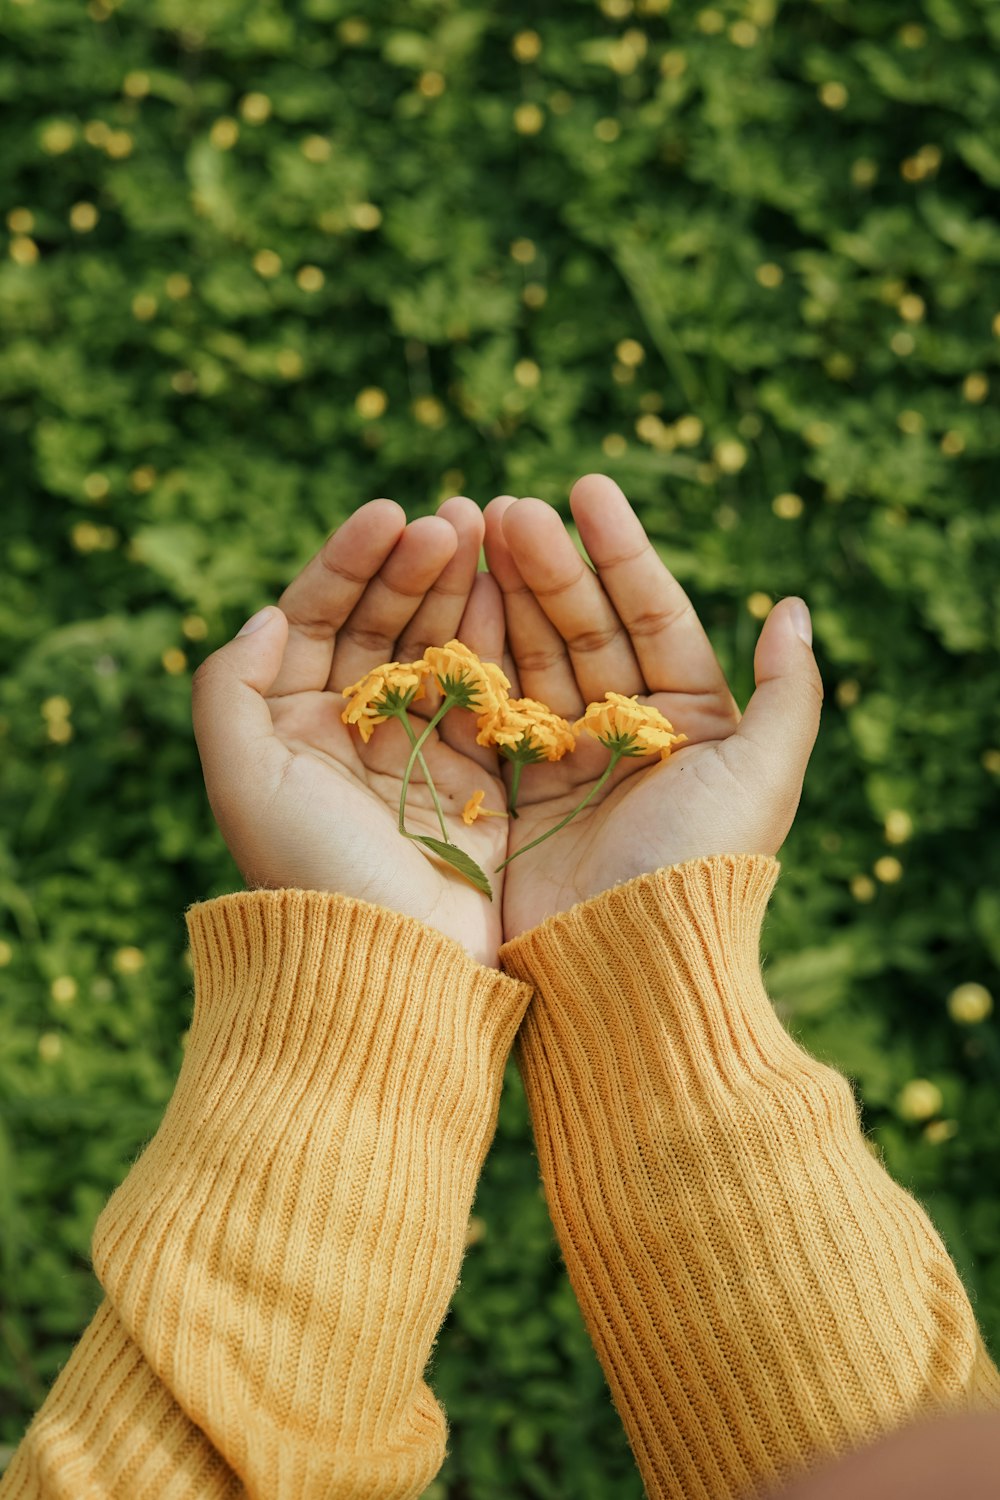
pixel 628 626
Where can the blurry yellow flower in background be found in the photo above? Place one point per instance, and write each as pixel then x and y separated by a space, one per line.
pixel 626 724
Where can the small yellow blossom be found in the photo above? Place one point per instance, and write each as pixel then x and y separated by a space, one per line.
pixel 367 697
pixel 136 85
pixel 527 726
pixel 255 108
pixel 888 869
pixel 267 263
pixel 316 148
pixel 474 809
pixel 310 278
pixel 96 486
pixel 898 826
pixel 371 403
pixel 224 134
pixel 528 119
pixel 689 430
pixel 455 665
pixel 49 1046
pixel 129 960
pixel 526 46
pixel 64 990
pixel 83 217
pixel 970 1003
pixel 920 1099
pixel 23 251
pixel 630 352
pixel 365 215
pixel 619 717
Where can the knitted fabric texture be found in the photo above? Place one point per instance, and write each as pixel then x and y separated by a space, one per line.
pixel 760 1293
pixel 279 1261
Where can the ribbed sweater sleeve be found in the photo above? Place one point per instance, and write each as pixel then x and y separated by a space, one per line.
pixel 278 1262
pixel 760 1293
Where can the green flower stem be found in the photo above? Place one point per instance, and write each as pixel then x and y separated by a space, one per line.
pixel 515 784
pixel 418 745
pixel 616 756
pixel 405 721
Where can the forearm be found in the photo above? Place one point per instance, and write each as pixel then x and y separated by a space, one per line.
pixel 278 1262
pixel 758 1289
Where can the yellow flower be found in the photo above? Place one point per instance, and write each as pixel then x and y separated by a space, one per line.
pixel 525 727
pixel 476 684
pixel 372 699
pixel 473 809
pixel 618 719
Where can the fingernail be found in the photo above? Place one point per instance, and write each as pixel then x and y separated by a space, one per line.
pixel 801 620
pixel 255 621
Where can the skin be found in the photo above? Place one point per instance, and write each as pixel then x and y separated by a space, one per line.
pixel 302 801
pixel 626 624
pixel 298 797
pixel 947 1458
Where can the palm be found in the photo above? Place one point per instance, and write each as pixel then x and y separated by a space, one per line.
pixel 334 779
pixel 301 800
pixel 731 788
pixel 651 813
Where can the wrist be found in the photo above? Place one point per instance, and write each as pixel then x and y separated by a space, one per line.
pixel 475 932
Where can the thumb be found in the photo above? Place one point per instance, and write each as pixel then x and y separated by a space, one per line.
pixel 782 717
pixel 231 718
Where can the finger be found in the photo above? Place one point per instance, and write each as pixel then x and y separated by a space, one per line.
pixel 544 670
pixel 573 599
pixel 782 718
pixel 669 641
pixel 232 721
pixel 481 629
pixel 437 618
pixel 320 598
pixel 369 635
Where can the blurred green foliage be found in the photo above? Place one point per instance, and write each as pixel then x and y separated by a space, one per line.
pixel 264 261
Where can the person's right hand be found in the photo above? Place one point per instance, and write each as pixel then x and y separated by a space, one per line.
pixel 573 635
pixel 299 799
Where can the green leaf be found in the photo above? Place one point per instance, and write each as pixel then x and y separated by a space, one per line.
pixel 459 861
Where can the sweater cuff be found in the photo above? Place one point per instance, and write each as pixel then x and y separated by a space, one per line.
pixel 681 943
pixel 302 996
pixel 304 960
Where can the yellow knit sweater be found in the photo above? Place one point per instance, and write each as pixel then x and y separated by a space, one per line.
pixel 278 1262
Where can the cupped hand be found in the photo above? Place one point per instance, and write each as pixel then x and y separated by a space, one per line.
pixel 573 634
pixel 299 798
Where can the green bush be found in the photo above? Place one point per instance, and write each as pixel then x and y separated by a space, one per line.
pixel 265 261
